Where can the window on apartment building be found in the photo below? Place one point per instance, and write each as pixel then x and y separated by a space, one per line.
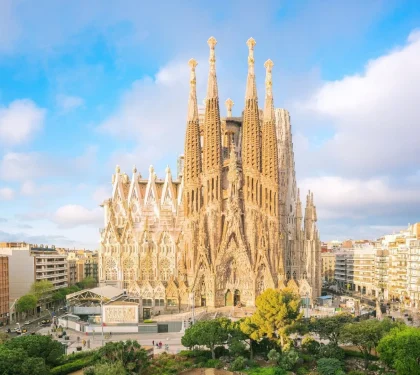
pixel 172 302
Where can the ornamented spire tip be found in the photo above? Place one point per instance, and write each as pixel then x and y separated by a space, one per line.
pixel 117 169
pixel 212 42
pixel 251 43
pixel 268 64
pixel 192 63
pixel 134 169
pixel 229 104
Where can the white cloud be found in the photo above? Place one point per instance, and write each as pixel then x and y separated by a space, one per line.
pixel 68 103
pixel 338 197
pixel 70 216
pixel 20 121
pixel 6 194
pixel 375 114
pixel 102 193
pixel 28 188
pixel 153 112
pixel 24 166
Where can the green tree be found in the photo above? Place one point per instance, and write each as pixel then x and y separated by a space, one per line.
pixel 106 368
pixel 41 288
pixel 87 283
pixel 366 335
pixel 26 303
pixel 329 366
pixel 37 346
pixel 130 353
pixel 17 362
pixel 400 349
pixel 277 312
pixel 330 327
pixel 209 333
pixel 60 294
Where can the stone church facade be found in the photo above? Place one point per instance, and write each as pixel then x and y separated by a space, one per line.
pixel 229 225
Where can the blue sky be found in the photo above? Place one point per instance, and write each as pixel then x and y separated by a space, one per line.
pixel 88 85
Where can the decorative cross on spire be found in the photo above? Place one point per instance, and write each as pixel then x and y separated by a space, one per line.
pixel 212 44
pixel 229 104
pixel 269 105
pixel 251 44
pixel 192 63
pixel 212 91
pixel 192 104
pixel 268 65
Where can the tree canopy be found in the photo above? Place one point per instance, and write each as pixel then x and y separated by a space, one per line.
pixel 209 333
pixel 17 362
pixel 60 294
pixel 400 349
pixel 330 327
pixel 87 283
pixel 41 288
pixel 37 346
pixel 277 311
pixel 130 353
pixel 366 335
pixel 26 303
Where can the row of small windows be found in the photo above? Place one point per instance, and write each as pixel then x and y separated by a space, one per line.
pixel 255 194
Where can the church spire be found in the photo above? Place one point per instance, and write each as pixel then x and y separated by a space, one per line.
pixel 269 103
pixel 270 161
pixel 192 152
pixel 251 142
pixel 212 134
pixel 192 101
pixel 251 86
pixel 212 91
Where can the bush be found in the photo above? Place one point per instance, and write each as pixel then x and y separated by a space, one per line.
pixel 289 359
pixel 302 371
pixel 279 371
pixel 356 372
pixel 307 357
pixel 220 351
pixel 329 366
pixel 148 321
pixel 213 363
pixel 331 351
pixel 310 345
pixel 238 364
pixel 274 356
pixel 70 367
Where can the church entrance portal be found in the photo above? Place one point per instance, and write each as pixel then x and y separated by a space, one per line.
pixel 228 298
pixel 236 298
pixel 203 301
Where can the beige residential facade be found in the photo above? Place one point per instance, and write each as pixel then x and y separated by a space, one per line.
pixel 388 267
pixel 31 263
pixel 4 289
pixel 328 266
pixel 230 225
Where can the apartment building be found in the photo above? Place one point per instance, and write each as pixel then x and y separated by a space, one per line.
pixel 327 266
pixel 389 267
pixel 31 263
pixel 4 290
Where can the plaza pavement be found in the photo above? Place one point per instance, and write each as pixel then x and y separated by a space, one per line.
pixel 173 340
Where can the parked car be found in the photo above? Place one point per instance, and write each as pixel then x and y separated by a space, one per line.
pixel 27 323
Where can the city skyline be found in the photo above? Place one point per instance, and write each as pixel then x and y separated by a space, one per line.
pixel 112 88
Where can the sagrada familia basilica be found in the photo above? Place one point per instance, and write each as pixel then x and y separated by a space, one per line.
pixel 229 225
